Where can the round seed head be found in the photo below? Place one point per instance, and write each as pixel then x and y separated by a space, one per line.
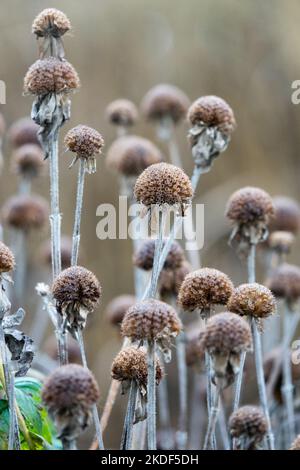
pixel 248 424
pixel 252 300
pixel 130 155
pixel 163 184
pixel 250 205
pixel 144 256
pixel 28 160
pixel 25 212
pixel 281 241
pixel 165 101
pixel 51 22
pixel 194 351
pixel 287 215
pixel 65 248
pixel 7 259
pixel 170 280
pixel 84 141
pixel 296 444
pixel 23 132
pixel 204 288
pixel 122 113
pixel 77 293
pixel 73 349
pixel 212 111
pixel 51 75
pixel 284 282
pixel 2 125
pixel 117 308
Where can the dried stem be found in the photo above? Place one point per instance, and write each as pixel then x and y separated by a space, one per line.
pixel 212 420
pixel 55 217
pixel 287 388
pixel 157 254
pixel 126 442
pixel 181 435
pixel 78 211
pixel 164 415
pixel 197 414
pixel 151 396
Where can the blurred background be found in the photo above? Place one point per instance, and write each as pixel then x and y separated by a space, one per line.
pixel 246 52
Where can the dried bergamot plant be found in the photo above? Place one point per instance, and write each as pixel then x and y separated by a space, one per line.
pixel 248 427
pixel 49 26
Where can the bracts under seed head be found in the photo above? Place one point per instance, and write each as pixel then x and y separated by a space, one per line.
pixel 25 212
pixel 122 113
pixel 284 282
pixel 117 308
pixel 28 161
pixel 248 425
pixel 144 256
pixel 50 25
pixel 86 143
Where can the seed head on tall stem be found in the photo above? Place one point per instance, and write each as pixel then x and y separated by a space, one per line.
pixel 249 427
pixel 49 27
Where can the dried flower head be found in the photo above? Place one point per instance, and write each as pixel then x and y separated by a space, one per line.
pixel 2 125
pixel 144 256
pixel 204 288
pixel 7 259
pixel 252 300
pixel 22 132
pixel 212 111
pixel 194 351
pixel 287 215
pixel 25 212
pixel 281 241
pixel 225 337
pixel 65 249
pixel 163 184
pixel 296 444
pixel 86 143
pixel 51 22
pixel 117 308
pixel 51 75
pixel 165 102
pixel 170 280
pixel 69 394
pixel 77 293
pixel 130 155
pixel 73 350
pixel 28 160
pixel 284 282
pixel 122 113
pixel 248 424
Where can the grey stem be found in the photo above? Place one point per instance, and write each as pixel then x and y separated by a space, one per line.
pixel 151 397
pixel 287 388
pixel 222 425
pixel 157 254
pixel 181 435
pixel 209 389
pixel 78 211
pixel 95 409
pixel 126 442
pixel 164 415
pixel 196 177
pixel 25 186
pixel 212 420
pixel 55 217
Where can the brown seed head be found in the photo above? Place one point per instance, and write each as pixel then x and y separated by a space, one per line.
pixel 285 282
pixel 84 141
pixel 122 113
pixel 23 132
pixel 163 184
pixel 7 259
pixel 287 215
pixel 130 155
pixel 65 248
pixel 170 280
pixel 204 288
pixel 281 241
pixel 252 300
pixel 149 319
pixel 296 444
pixel 25 212
pixel 117 308
pixel 212 111
pixel 28 160
pixel 74 356
pixel 248 422
pixel 51 75
pixel 165 101
pixel 144 256
pixel 51 22
pixel 250 205
pixel 2 125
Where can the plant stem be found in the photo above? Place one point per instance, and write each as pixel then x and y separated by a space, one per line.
pixel 287 388
pixel 197 413
pixel 151 397
pixel 25 186
pixel 157 253
pixel 164 415
pixel 181 435
pixel 55 217
pixel 78 211
pixel 126 442
pixel 212 420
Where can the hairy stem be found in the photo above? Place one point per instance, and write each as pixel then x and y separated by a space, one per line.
pixel 78 211
pixel 151 396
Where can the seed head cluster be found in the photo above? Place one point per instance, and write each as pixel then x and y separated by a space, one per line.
pixel 212 111
pixel 144 256
pixel 122 113
pixel 51 22
pixel 284 282
pixel 25 212
pixel 252 300
pixel 249 425
pixel 7 259
pixel 117 308
pixel 165 101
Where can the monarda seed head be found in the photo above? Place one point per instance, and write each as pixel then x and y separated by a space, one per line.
pixel 212 111
pixel 295 444
pixel 281 242
pixel 77 293
pixel 203 289
pixel 144 256
pixel 65 249
pixel 130 155
pixel 122 113
pixel 287 215
pixel 23 132
pixel 162 184
pixel 117 308
pixel 252 300
pixel 284 282
pixel 249 426
pixel 69 394
pixel 25 212
pixel 7 259
pixel 28 160
pixel 164 102
pixel 51 22
pixel 51 75
pixel 170 280
pixel 86 143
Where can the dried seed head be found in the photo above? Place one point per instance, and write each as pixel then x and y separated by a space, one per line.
pixel 281 241
pixel 69 394
pixel 203 289
pixel 163 184
pixel 117 308
pixel 287 215
pixel 77 293
pixel 212 111
pixel 51 75
pixel 74 356
pixel 23 132
pixel 86 143
pixel 122 113
pixel 130 155
pixel 25 212
pixel 249 425
pixel 194 351
pixel 165 101
pixel 28 160
pixel 296 444
pixel 144 256
pixel 7 259
pixel 252 300
pixel 131 364
pixel 65 248
pixel 2 125
pixel 285 282
pixel 170 280
pixel 51 22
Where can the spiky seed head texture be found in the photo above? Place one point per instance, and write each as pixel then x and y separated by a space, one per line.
pixel 51 75
pixel 163 183
pixel 51 22
pixel 65 249
pixel 254 300
pixel 84 141
pixel 144 256
pixel 296 444
pixel 212 111
pixel 248 421
pixel 25 212
pixel 250 205
pixel 149 319
pixel 117 308
pixel 170 280
pixel 204 288
pixel 281 241
pixel 22 132
pixel 284 282
pixel 28 160
pixel 287 214
pixel 7 259
pixel 165 101
pixel 130 155
pixel 122 112
pixel 131 364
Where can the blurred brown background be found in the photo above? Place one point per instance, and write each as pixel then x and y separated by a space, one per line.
pixel 246 52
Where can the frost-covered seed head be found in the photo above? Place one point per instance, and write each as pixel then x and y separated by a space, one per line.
pixel 249 425
pixel 170 280
pixel 281 241
pixel 250 205
pixel 51 22
pixel 84 141
pixel 28 160
pixel 25 212
pixel 122 113
pixel 144 256
pixel 23 132
pixel 284 282
pixel 165 101
pixel 7 259
pixel 287 215
pixel 212 111
pixel 252 300
pixel 117 308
